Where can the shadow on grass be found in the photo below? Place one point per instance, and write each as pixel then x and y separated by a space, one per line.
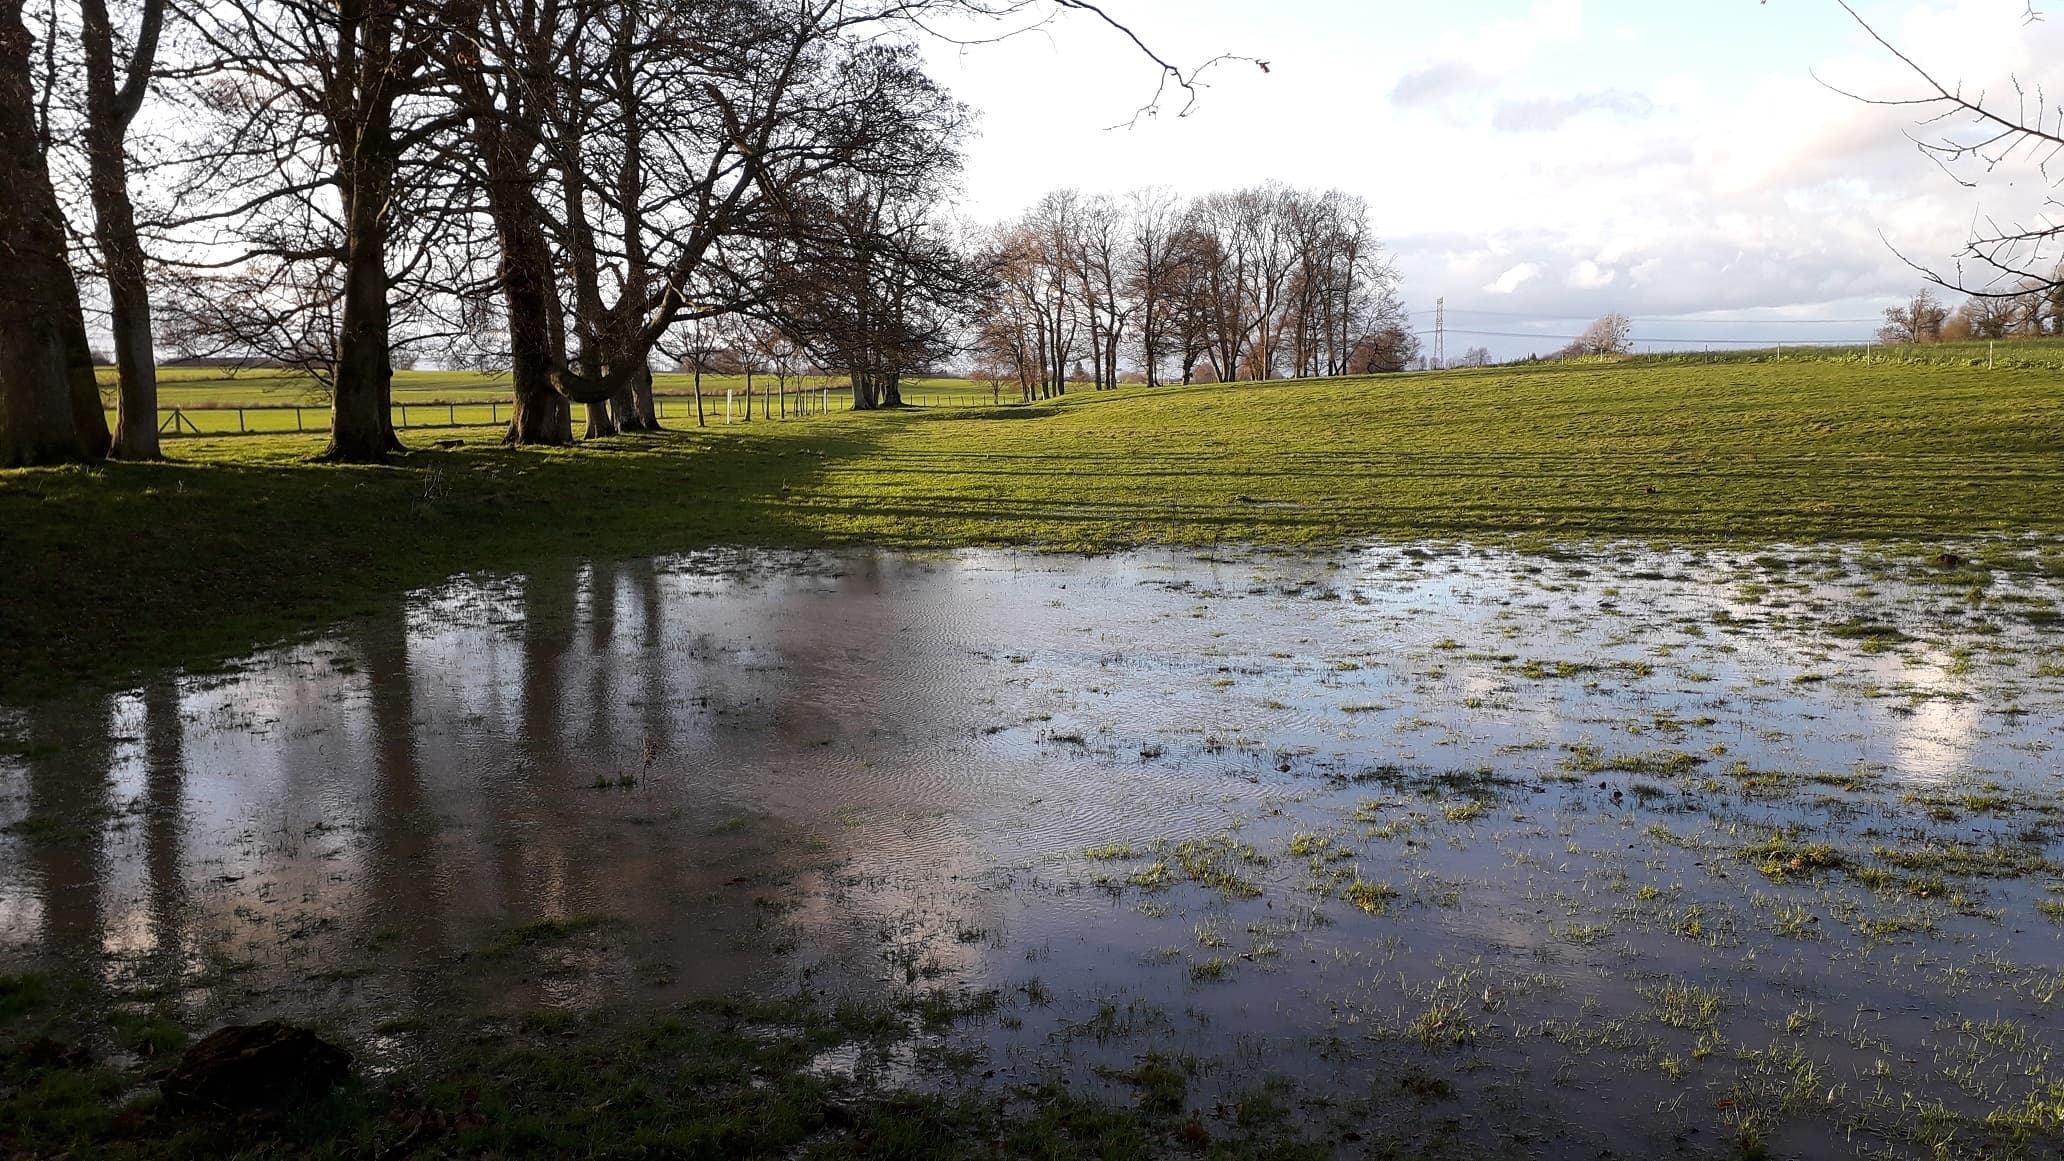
pixel 241 542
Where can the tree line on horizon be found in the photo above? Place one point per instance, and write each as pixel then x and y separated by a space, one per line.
pixel 2031 311
pixel 1259 283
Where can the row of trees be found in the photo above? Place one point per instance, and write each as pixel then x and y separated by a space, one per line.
pixel 1251 284
pixel 2035 311
pixel 551 187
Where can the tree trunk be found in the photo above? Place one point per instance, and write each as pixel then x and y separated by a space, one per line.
pixel 361 420
pixel 623 407
pixel 641 397
pixel 49 400
pixel 108 113
pixel 700 419
pixel 541 415
pixel 600 421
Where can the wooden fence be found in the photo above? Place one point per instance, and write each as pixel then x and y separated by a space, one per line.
pixel 288 418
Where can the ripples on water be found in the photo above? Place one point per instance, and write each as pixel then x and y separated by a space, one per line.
pixel 867 771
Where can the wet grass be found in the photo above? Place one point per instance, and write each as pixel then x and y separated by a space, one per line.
pixel 723 1078
pixel 243 541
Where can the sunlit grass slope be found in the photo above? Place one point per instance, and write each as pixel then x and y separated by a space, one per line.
pixel 242 540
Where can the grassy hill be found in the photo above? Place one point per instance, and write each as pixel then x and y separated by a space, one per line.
pixel 242 540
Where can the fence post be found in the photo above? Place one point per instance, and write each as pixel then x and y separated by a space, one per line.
pixel 297 418
pixel 451 414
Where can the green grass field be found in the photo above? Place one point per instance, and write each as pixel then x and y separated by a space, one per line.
pixel 240 541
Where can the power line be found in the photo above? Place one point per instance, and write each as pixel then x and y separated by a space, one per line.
pixel 1768 342
pixel 1671 318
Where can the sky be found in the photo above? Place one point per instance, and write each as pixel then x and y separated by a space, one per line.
pixel 1538 163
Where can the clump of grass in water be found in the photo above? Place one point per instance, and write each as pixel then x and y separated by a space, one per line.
pixel 1586 758
pixel 1307 845
pixel 1215 862
pixel 1536 670
pixel 1155 876
pixel 1796 923
pixel 1444 1024
pixel 1779 857
pixel 1687 1006
pixel 1163 1083
pixel 1584 934
pixel 1991 861
pixel 1371 897
pixel 1110 851
pixel 543 933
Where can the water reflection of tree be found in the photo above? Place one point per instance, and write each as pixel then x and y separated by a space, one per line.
pixel 69 805
pixel 403 895
pixel 164 827
pixel 534 830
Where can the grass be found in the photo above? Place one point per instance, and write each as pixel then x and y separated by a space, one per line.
pixel 713 1079
pixel 242 541
pixel 209 398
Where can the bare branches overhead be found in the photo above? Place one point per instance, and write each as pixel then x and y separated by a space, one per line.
pixel 1971 135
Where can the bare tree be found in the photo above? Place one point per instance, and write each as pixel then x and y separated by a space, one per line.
pixel 1157 253
pixel 781 355
pixel 1100 255
pixel 1387 350
pixel 112 102
pixel 1990 318
pixel 884 291
pixel 1252 280
pixel 301 182
pixel 50 409
pixel 1917 320
pixel 1973 134
pixel 1612 334
pixel 693 346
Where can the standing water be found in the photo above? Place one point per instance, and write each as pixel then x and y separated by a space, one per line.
pixel 1464 849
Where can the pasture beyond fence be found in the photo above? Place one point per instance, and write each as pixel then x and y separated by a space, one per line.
pixel 718 409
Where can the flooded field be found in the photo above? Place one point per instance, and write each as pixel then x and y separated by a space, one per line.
pixel 1436 850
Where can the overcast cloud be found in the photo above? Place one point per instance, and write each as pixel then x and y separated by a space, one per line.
pixel 1539 162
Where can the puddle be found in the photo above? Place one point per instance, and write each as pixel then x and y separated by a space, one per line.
pixel 1634 852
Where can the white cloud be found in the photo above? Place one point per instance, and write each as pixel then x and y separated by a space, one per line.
pixel 1437 83
pixel 1542 114
pixel 1514 278
pixel 1538 162
pixel 1589 275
